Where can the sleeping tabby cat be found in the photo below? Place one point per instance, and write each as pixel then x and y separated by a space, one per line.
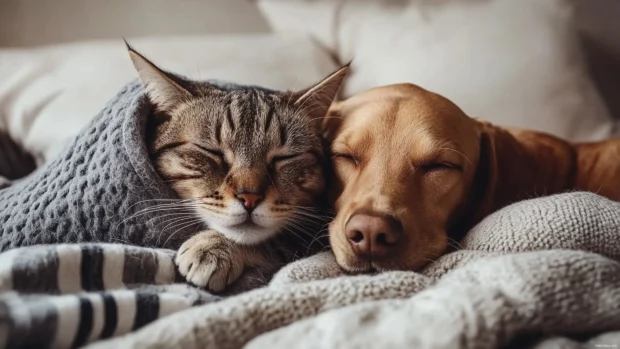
pixel 250 160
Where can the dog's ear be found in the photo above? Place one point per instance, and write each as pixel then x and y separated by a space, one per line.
pixel 484 189
pixel 505 174
pixel 162 88
pixel 498 180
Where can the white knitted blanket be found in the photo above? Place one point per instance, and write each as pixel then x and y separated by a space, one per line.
pixel 542 273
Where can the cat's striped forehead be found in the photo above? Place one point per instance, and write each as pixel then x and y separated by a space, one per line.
pixel 248 123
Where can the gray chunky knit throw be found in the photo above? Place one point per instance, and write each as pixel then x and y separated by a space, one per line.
pixel 88 194
pixel 542 273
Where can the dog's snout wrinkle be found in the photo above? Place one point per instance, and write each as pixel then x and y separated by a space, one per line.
pixel 373 236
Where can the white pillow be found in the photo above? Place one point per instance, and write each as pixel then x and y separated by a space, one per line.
pixel 514 63
pixel 48 94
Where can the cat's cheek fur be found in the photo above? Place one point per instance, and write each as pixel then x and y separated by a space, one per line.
pixel 311 180
pixel 265 217
pixel 302 184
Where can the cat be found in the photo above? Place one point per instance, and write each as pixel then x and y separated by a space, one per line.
pixel 250 160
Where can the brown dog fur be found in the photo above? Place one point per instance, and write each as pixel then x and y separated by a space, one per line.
pixel 412 155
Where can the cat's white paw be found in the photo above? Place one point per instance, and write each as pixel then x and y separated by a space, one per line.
pixel 210 261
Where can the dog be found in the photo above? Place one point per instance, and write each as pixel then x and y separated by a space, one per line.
pixel 412 174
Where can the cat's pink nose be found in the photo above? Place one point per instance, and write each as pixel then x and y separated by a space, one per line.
pixel 249 200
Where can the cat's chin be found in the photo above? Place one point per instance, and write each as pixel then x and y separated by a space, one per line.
pixel 247 233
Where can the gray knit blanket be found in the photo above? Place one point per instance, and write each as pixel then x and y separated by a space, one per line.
pixel 98 190
pixel 542 273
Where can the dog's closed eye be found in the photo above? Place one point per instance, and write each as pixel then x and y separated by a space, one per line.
pixel 438 166
pixel 346 157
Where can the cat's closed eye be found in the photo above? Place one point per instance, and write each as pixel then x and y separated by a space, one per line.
pixel 282 158
pixel 216 155
pixel 280 161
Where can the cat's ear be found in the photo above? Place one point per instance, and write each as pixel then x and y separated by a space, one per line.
pixel 316 100
pixel 163 91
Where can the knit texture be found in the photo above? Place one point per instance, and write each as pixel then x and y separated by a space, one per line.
pixel 91 191
pixel 542 273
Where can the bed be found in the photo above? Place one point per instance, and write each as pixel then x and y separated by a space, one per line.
pixel 522 274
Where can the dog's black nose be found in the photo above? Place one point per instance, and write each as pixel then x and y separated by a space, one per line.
pixel 373 236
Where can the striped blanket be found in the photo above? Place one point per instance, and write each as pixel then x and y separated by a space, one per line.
pixel 65 296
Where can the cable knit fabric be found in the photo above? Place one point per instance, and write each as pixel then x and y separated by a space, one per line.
pixel 93 190
pixel 542 273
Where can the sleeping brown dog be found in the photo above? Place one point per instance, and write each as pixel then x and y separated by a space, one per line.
pixel 412 172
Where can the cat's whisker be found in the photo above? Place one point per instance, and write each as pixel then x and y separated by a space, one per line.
pixel 454 243
pixel 310 208
pixel 296 233
pixel 308 225
pixel 306 231
pixel 307 209
pixel 169 202
pixel 305 214
pixel 297 229
pixel 171 209
pixel 311 216
pixel 172 222
pixel 170 214
pixel 176 220
pixel 141 213
pixel 303 218
pixel 181 228
pixel 165 206
pixel 321 234
pixel 318 239
pixel 311 224
pixel 180 225
pixel 324 227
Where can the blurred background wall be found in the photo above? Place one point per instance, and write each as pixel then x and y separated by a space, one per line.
pixel 36 22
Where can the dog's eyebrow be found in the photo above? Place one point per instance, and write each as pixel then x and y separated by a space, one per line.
pixel 438 154
pixel 359 143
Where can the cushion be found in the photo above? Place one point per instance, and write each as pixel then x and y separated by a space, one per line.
pixel 514 63
pixel 48 94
